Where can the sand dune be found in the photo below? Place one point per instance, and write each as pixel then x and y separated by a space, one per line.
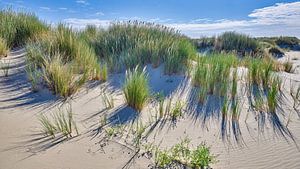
pixel 23 146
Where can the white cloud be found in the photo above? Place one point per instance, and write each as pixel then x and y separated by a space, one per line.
pixel 81 23
pixel 279 19
pixel 63 8
pixel 45 8
pixel 83 2
pixel 99 13
pixel 158 20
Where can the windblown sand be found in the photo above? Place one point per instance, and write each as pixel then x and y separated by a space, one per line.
pixel 22 145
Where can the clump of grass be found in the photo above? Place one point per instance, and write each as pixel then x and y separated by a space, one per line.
pixel 234 85
pixel 136 88
pixel 177 111
pixel 232 41
pixel 60 78
pixel 34 76
pixel 18 27
pixel 47 126
pixel 61 122
pixel 126 44
pixel 65 60
pixel 5 66
pixel 113 131
pixel 203 94
pixel 272 95
pixel 288 66
pixel 212 74
pixel 140 128
pixel 287 42
pixel 3 48
pixel 107 99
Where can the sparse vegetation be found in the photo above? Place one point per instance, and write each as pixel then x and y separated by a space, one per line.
pixel 61 122
pixel 181 153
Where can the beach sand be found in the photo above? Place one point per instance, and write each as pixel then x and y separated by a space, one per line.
pixel 22 145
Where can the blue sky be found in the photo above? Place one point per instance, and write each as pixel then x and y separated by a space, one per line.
pixel 194 18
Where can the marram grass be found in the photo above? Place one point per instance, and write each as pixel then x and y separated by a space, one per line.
pixel 3 48
pixel 19 27
pixel 136 88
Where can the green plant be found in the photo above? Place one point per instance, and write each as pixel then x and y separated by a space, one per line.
pixel 61 122
pixel 234 85
pixel 5 66
pixel 47 126
pixel 181 151
pixel 288 66
pixel 3 48
pixel 272 95
pixel 177 111
pixel 136 88
pixel 65 123
pixel 126 44
pixel 34 76
pixel 19 27
pixel 107 99
pixel 201 157
pixel 232 41
pixel 203 94
pixel 113 131
pixel 162 158
pixel 139 130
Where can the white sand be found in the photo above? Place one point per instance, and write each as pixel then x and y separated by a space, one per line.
pixel 23 146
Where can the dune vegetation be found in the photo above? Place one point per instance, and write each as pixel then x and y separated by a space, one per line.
pixel 3 48
pixel 127 44
pixel 64 60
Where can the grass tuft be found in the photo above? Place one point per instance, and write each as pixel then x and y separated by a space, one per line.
pixel 136 88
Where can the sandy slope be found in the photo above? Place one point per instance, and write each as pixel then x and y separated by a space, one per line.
pixel 23 146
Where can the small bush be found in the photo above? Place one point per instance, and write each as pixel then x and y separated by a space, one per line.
pixel 136 88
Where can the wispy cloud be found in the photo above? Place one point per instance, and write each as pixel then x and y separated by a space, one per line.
pixel 47 9
pixel 279 19
pixel 99 13
pixel 81 23
pixel 159 20
pixel 83 2
pixel 63 8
